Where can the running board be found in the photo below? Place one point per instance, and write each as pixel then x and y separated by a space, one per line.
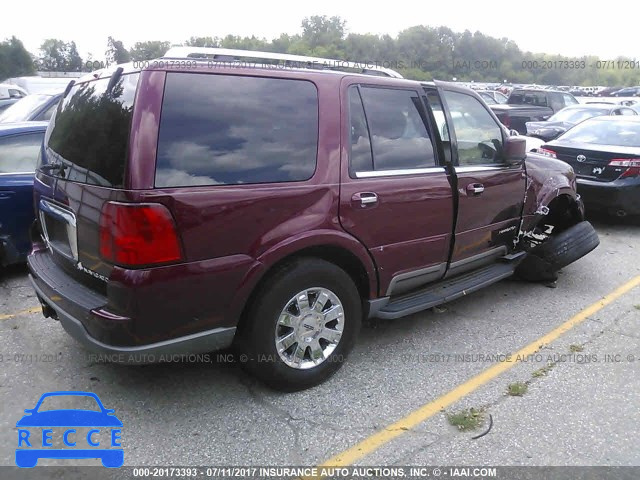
pixel 450 289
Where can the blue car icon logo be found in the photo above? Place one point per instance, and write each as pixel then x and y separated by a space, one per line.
pixel 85 433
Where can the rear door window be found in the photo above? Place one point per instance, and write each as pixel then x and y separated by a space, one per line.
pixel 19 153
pixel 397 131
pixel 228 130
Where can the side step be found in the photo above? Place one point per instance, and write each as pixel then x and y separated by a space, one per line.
pixel 450 289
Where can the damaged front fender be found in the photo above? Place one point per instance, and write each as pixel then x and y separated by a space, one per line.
pixel 548 179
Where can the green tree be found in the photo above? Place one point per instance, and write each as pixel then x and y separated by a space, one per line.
pixel 74 60
pixel 116 53
pixel 323 31
pixel 149 50
pixel 203 42
pixel 15 60
pixel 53 56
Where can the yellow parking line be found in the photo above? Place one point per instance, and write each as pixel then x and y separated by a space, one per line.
pixel 377 440
pixel 23 312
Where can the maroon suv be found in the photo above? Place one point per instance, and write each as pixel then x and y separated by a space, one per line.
pixel 204 201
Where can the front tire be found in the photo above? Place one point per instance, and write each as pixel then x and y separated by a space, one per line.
pixel 543 262
pixel 301 325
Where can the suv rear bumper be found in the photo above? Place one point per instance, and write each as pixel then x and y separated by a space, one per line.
pixel 73 305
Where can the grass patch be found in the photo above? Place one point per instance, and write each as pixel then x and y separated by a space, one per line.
pixel 575 348
pixel 517 389
pixel 542 372
pixel 637 307
pixel 466 420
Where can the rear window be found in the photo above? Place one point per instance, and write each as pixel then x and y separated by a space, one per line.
pixel 225 130
pixel 538 99
pixel 89 133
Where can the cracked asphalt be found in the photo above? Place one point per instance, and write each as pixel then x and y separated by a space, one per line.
pixel 583 411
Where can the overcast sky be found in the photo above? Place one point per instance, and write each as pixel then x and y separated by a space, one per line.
pixel 571 28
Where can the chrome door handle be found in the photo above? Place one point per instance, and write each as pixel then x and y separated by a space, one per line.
pixel 365 198
pixel 475 188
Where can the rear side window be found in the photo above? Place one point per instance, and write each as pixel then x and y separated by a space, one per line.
pixel 225 129
pixel 19 153
pixel 396 130
pixel 89 134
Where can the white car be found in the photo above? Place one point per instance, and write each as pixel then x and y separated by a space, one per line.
pixel 11 91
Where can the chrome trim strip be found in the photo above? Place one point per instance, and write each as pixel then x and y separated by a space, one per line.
pixel 399 172
pixel 486 168
pixel 55 210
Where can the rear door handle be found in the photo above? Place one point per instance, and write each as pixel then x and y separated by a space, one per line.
pixel 475 188
pixel 365 198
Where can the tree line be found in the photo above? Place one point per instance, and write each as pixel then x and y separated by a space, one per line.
pixel 420 52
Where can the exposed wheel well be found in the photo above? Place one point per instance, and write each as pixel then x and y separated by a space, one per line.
pixel 563 213
pixel 336 255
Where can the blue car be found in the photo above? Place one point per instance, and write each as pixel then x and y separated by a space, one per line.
pixel 29 451
pixel 32 108
pixel 19 148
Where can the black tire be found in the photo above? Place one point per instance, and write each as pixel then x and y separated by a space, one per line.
pixel 543 262
pixel 256 343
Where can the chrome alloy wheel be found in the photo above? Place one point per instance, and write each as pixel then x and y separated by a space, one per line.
pixel 309 328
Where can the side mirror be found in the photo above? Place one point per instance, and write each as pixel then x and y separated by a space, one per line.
pixel 515 150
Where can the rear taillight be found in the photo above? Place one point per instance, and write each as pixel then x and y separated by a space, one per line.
pixel 628 167
pixel 547 153
pixel 136 235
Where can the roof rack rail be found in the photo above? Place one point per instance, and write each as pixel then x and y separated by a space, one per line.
pixel 294 61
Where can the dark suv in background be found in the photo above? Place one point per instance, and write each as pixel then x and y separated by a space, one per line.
pixel 213 199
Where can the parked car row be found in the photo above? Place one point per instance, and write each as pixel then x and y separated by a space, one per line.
pixel 566 118
pixel 577 91
pixel 531 105
pixel 600 140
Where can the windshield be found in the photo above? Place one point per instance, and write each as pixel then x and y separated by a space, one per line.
pixel 576 115
pixel 619 132
pixel 22 110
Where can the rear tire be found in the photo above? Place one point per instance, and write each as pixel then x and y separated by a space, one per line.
pixel 295 308
pixel 543 262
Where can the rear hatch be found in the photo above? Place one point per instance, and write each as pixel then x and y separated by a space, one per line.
pixel 82 165
pixel 603 163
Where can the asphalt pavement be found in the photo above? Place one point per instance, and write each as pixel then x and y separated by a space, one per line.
pixel 581 405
